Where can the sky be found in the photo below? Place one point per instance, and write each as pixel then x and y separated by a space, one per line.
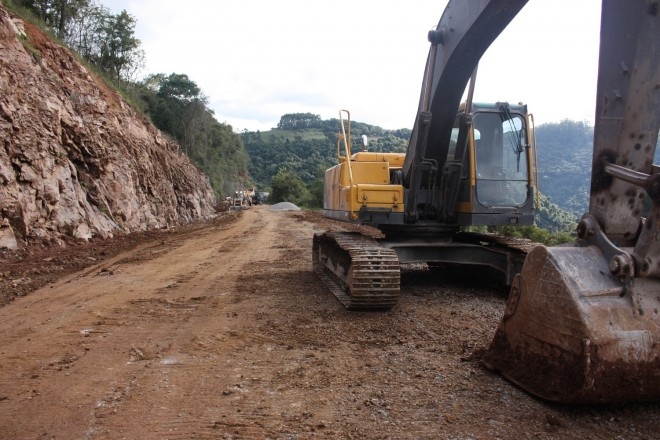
pixel 257 60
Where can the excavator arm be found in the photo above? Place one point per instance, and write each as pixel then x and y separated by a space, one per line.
pixel 464 33
pixel 626 130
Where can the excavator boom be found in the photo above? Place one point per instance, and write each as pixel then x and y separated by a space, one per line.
pixel 464 32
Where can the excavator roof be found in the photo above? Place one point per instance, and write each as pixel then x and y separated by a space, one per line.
pixel 495 106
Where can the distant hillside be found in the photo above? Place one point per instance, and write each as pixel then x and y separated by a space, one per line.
pixel 564 155
pixel 554 218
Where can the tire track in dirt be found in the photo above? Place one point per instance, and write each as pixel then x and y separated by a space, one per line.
pixel 191 381
pixel 97 329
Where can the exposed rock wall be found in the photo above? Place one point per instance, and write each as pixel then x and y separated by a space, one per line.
pixel 75 159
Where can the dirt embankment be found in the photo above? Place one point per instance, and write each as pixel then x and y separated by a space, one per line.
pixel 75 159
pixel 221 330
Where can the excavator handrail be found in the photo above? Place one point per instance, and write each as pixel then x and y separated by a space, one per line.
pixel 347 150
pixel 342 136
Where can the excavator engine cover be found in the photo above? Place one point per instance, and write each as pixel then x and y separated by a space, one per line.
pixel 574 333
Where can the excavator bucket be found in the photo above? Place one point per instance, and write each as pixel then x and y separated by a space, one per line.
pixel 574 333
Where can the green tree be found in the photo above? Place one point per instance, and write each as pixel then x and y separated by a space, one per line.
pixel 316 189
pixel 288 187
pixel 178 107
pixel 101 38
pixel 85 30
pixel 297 121
pixel 56 14
pixel 120 51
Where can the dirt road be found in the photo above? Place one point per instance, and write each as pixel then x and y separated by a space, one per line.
pixel 223 331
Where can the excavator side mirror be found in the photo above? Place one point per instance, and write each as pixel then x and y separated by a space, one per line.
pixel 365 142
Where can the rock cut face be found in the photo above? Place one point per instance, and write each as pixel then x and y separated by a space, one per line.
pixel 75 159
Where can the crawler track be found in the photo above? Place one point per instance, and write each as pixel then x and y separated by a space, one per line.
pixel 360 272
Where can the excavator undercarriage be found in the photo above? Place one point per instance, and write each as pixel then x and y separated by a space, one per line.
pixel 360 272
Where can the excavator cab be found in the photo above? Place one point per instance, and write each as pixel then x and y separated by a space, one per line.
pixel 499 184
pixel 502 176
pixel 488 176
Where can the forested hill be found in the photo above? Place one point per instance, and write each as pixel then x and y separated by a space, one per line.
pixel 565 156
pixel 306 145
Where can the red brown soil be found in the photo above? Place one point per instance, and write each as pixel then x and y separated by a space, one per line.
pixel 221 330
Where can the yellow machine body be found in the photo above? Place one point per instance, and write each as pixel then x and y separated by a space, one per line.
pixel 363 181
pixel 495 184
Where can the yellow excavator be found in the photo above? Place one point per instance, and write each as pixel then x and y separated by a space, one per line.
pixel 582 322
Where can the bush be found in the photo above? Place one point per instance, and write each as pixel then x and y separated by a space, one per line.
pixel 288 187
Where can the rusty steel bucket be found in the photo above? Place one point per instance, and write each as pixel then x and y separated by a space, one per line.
pixel 574 333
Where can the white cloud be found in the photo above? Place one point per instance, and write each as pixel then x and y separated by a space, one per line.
pixel 257 59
